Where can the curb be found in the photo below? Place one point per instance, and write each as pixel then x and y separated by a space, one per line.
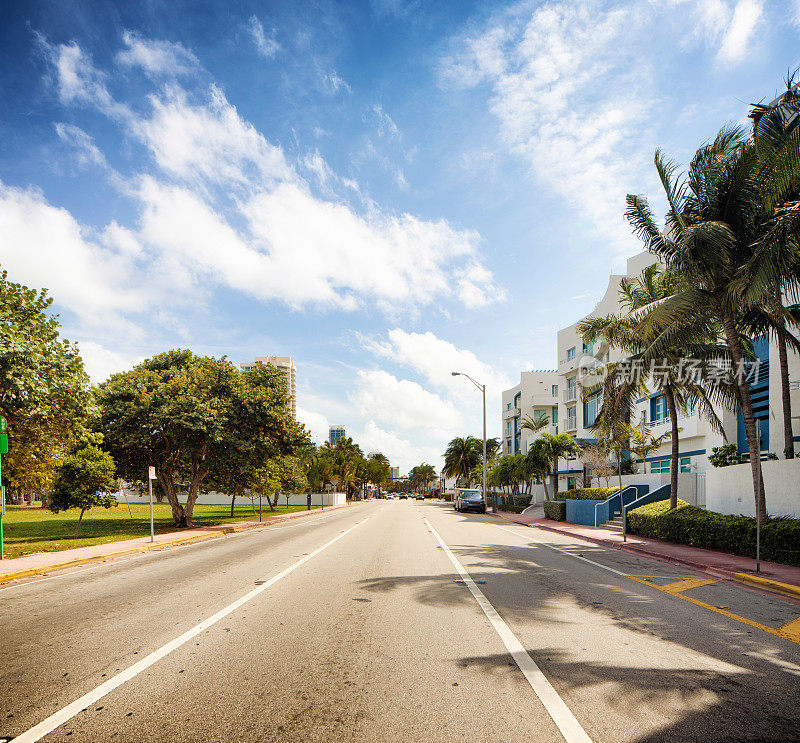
pixel 6 577
pixel 786 589
pixel 768 584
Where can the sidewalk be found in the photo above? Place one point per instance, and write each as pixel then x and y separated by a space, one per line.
pixel 773 576
pixel 45 562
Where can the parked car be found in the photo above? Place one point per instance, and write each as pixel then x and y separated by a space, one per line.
pixel 468 500
pixel 403 496
pixel 419 496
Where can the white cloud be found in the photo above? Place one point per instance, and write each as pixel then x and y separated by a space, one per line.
pixel 267 46
pixel 404 404
pixel 86 151
pixel 156 57
pixel 315 422
pixel 209 142
pixel 401 452
pixel 333 82
pixel 226 208
pixel 436 359
pixel 101 363
pixel 571 98
pixel 44 246
pixel 736 45
pixel 384 123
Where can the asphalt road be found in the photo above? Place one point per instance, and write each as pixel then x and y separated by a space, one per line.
pixel 353 626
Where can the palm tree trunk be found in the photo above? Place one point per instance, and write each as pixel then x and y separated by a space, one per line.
pixel 673 468
pixel 786 400
pixel 555 476
pixel 748 414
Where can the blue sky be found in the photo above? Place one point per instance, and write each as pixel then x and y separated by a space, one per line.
pixel 385 190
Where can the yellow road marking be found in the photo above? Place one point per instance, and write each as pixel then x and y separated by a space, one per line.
pixel 685 585
pixel 793 635
pixel 792 628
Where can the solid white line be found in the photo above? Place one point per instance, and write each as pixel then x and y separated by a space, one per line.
pixel 63 715
pixel 562 716
pixel 565 552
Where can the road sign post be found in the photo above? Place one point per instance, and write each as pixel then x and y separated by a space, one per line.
pixel 151 475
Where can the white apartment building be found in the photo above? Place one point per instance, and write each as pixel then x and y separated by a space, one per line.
pixel 535 396
pixel 284 364
pixel 577 411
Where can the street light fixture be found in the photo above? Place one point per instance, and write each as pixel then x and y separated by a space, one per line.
pixel 482 388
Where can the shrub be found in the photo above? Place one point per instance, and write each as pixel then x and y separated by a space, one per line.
pixel 587 493
pixel 555 510
pixel 724 456
pixel 780 537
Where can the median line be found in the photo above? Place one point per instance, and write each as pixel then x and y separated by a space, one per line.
pixel 65 714
pixel 556 707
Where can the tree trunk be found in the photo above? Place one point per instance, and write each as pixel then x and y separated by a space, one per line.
pixel 748 414
pixel 786 400
pixel 674 463
pixel 167 483
pixel 555 477
pixel 78 525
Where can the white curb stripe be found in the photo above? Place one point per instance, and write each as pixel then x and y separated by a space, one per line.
pixel 63 715
pixel 562 716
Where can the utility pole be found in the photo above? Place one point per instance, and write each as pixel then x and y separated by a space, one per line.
pixel 3 450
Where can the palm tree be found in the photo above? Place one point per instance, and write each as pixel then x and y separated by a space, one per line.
pixel 556 446
pixel 635 335
pixel 721 218
pixel 461 456
pixel 535 423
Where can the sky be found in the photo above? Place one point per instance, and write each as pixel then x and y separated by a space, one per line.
pixel 386 191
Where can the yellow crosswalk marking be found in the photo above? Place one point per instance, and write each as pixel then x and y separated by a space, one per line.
pixel 792 628
pixel 685 585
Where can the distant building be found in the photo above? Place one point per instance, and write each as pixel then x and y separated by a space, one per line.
pixel 285 365
pixel 335 434
pixel 395 473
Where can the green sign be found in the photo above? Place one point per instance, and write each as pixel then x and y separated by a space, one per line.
pixel 3 444
pixel 2 425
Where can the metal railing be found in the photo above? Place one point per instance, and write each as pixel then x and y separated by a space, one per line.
pixel 660 494
pixel 570 394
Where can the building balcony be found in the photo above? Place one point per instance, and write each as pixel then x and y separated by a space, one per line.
pixel 570 394
pixel 570 423
pixel 512 413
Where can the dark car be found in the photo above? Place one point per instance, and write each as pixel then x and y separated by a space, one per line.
pixel 470 500
pixel 419 496
pixel 403 496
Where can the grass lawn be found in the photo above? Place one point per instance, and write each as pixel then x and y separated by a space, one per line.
pixel 30 529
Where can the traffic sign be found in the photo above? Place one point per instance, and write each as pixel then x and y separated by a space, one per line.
pixel 3 444
pixel 152 473
pixel 2 425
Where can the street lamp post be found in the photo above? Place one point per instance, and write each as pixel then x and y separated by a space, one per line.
pixel 482 388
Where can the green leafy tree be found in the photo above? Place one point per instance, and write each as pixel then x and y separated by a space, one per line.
pixel 378 470
pixel 186 415
pixel 84 480
pixel 557 446
pixel 44 390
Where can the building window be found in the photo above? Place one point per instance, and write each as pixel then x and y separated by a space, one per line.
pixel 658 409
pixel 686 464
pixel 517 398
pixel 570 483
pixel 588 348
pixel 570 353
pixel 555 390
pixel 572 418
pixel 591 407
pixel 662 466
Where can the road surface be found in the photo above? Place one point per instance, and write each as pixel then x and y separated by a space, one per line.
pixel 395 621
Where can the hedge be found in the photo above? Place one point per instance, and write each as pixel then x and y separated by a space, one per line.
pixel 512 503
pixel 555 510
pixel 780 538
pixel 587 493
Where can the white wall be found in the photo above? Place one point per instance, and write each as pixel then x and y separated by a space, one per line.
pixel 220 499
pixel 730 489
